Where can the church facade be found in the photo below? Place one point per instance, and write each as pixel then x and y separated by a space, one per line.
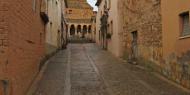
pixel 79 19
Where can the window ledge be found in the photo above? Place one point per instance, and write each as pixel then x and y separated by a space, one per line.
pixel 184 37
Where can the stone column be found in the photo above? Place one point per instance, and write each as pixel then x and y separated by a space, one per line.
pixel 75 30
pixel 87 34
pixel 80 33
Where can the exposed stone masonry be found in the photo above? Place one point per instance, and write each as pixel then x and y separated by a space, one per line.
pixel 144 17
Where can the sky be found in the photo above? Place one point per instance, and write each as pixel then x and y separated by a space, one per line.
pixel 92 3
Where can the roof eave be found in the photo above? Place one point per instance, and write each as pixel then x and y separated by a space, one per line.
pixel 98 2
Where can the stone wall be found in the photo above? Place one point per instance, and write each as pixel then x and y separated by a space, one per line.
pixel 177 68
pixel 22 38
pixel 53 27
pixel 98 23
pixel 159 46
pixel 79 16
pixel 79 13
pixel 144 17
pixel 114 27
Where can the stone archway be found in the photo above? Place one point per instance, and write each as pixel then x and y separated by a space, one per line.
pixel 79 29
pixel 85 30
pixel 72 30
pixel 89 29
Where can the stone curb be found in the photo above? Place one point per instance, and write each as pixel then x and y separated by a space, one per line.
pixel 159 76
pixel 162 78
pixel 36 81
pixel 171 82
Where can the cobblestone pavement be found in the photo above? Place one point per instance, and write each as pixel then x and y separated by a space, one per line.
pixel 85 69
pixel 52 82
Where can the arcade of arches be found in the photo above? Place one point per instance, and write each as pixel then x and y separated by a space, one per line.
pixel 83 31
pixel 80 20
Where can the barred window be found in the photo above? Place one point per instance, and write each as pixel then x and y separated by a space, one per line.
pixel 185 24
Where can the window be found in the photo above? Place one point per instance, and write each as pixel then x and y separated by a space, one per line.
pixel 34 5
pixel 70 11
pixel 185 25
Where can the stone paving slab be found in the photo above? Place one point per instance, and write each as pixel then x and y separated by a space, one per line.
pixel 52 82
pixel 85 69
pixel 84 79
pixel 125 79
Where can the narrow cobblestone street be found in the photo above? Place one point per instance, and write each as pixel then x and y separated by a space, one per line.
pixel 94 47
pixel 85 69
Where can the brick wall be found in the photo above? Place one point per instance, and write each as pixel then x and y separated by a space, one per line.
pixel 3 41
pixel 3 26
pixel 21 43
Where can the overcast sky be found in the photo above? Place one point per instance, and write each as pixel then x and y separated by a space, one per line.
pixel 92 3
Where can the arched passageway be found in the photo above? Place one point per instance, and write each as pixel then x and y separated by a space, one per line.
pixel 84 31
pixel 79 29
pixel 89 29
pixel 72 30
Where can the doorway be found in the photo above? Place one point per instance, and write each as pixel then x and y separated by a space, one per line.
pixel 72 30
pixel 85 30
pixel 134 47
